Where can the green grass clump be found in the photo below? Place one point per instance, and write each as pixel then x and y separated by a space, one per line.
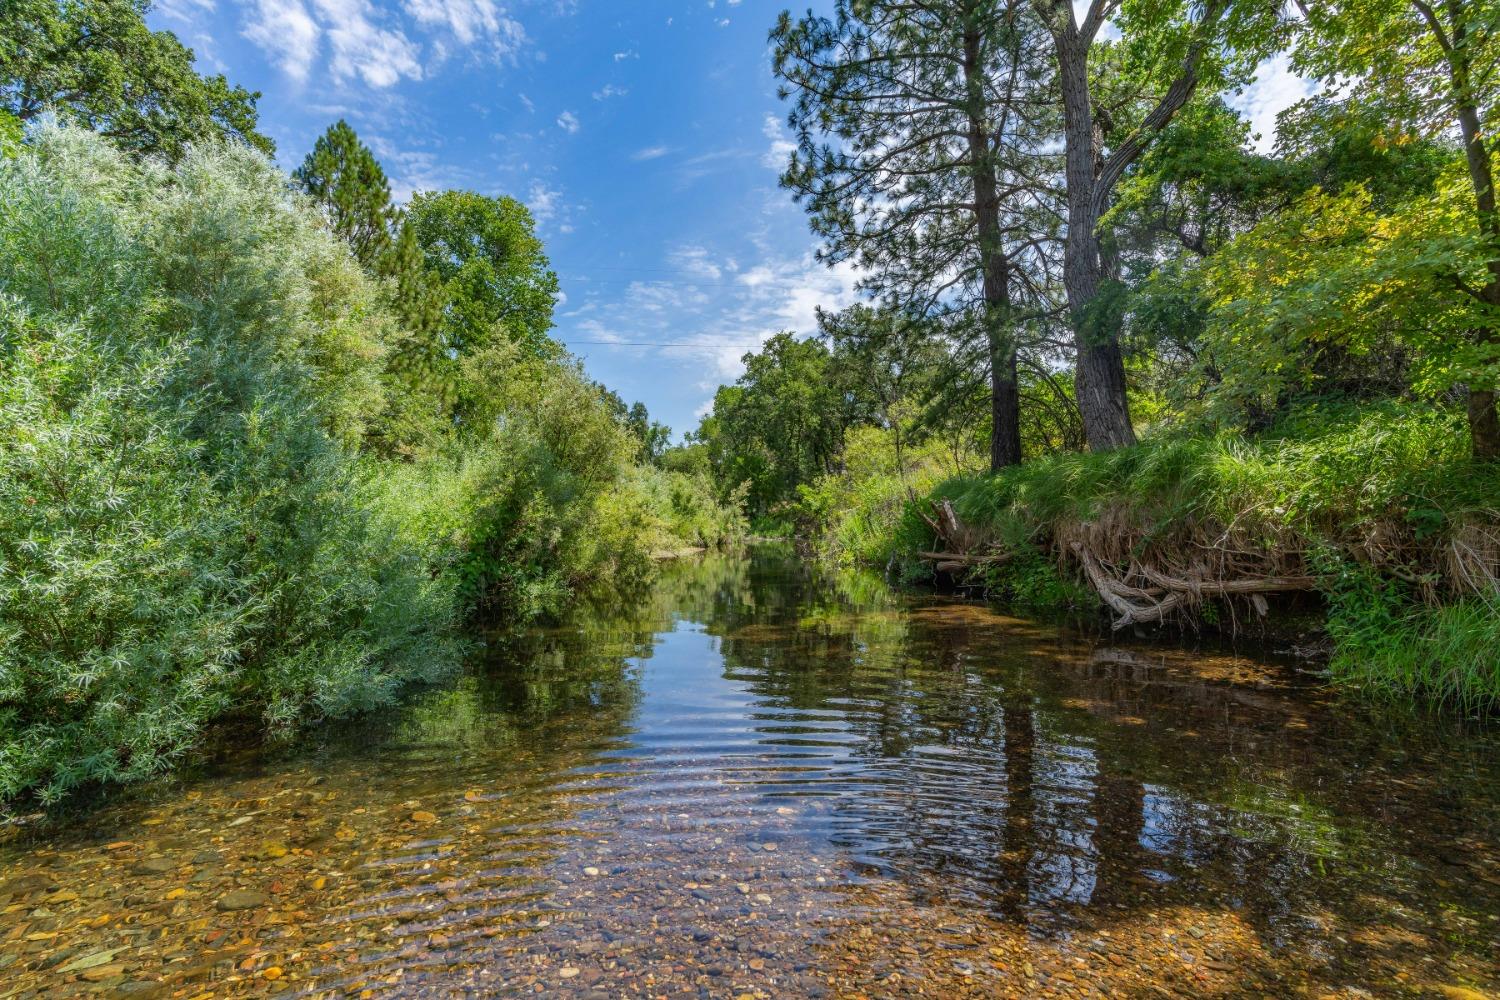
pixel 1374 500
pixel 1391 645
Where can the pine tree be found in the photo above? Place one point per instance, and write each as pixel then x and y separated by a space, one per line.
pixel 919 157
pixel 348 184
pixel 416 296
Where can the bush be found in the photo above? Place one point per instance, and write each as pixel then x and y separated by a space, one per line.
pixel 540 496
pixel 185 533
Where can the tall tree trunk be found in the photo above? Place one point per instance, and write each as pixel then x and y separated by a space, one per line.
pixel 1005 403
pixel 1101 367
pixel 1484 422
pixel 1005 392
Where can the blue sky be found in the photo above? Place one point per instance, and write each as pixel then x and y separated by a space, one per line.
pixel 644 135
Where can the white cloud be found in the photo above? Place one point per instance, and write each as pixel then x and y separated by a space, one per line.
pixel 609 90
pixel 781 147
pixel 470 22
pixel 543 202
pixel 627 54
pixel 696 261
pixel 568 122
pixel 287 33
pixel 367 43
pixel 361 48
pixel 413 170
pixel 1275 89
pixel 715 314
pixel 183 10
pixel 650 153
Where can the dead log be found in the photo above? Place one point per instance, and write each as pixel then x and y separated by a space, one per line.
pixel 1224 588
pixel 965 558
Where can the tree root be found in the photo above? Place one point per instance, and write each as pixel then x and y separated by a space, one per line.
pixel 1146 605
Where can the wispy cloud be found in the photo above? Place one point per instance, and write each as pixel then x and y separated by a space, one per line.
pixel 726 311
pixel 609 90
pixel 650 153
pixel 781 147
pixel 568 122
pixel 368 44
pixel 286 32
pixel 470 23
pixel 542 201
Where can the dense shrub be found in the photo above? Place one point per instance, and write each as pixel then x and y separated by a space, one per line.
pixel 542 496
pixel 185 533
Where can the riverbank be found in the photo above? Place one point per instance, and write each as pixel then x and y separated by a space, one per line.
pixel 1375 516
pixel 764 778
pixel 243 476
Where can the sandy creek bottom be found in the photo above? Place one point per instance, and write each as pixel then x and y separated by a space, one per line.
pixel 759 780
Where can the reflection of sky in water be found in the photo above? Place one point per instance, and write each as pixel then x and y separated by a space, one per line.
pixel 755 724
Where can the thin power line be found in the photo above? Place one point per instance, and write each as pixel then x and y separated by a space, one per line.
pixel 642 343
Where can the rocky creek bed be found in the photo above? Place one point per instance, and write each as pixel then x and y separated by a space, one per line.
pixel 765 781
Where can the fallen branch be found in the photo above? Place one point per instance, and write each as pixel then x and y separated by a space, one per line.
pixel 965 558
pixel 1221 588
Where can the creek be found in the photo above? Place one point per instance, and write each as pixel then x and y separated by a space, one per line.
pixel 761 779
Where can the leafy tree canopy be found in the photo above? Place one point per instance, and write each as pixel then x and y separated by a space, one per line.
pixel 494 271
pixel 96 63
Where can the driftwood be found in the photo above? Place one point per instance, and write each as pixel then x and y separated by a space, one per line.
pixel 963 547
pixel 965 558
pixel 1146 594
pixel 1143 605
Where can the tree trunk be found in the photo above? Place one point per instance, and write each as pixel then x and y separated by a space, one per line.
pixel 1484 422
pixel 1100 374
pixel 1484 425
pixel 1005 404
pixel 1005 392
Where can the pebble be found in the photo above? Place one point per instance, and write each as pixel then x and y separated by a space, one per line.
pixel 242 899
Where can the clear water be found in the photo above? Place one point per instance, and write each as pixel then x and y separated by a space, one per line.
pixel 762 780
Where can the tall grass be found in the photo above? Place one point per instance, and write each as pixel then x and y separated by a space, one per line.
pixel 1379 503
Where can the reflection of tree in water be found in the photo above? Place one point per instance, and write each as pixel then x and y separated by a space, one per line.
pixel 1011 762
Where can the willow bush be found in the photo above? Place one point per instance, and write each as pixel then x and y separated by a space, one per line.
pixel 186 533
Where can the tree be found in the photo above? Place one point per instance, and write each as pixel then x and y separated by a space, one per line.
pixel 1430 66
pixel 1332 277
pixel 891 360
pixel 782 424
pixel 931 182
pixel 494 273
pixel 1101 140
pixel 346 181
pixel 1198 189
pixel 651 436
pixel 96 63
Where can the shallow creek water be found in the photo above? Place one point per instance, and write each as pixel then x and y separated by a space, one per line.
pixel 763 781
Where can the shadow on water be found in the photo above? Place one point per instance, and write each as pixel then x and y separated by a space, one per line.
pixel 759 778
